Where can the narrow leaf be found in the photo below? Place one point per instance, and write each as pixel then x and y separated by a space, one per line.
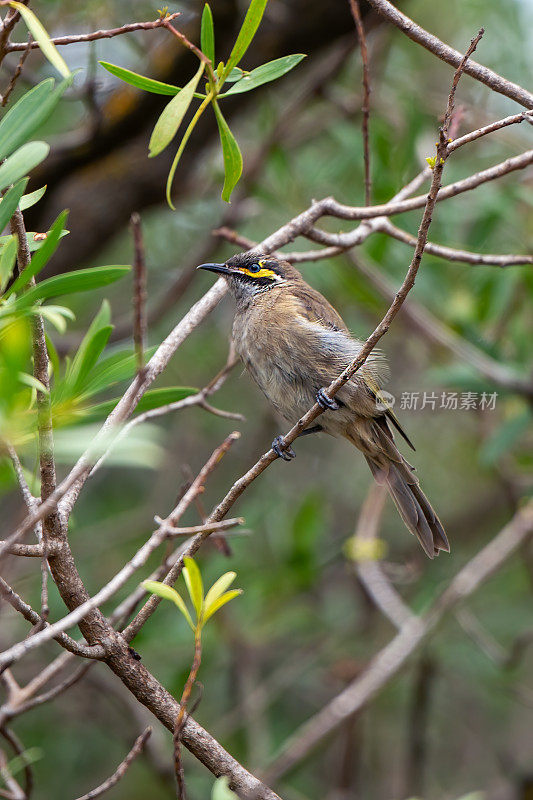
pixel 90 349
pixel 57 315
pixel 193 579
pixel 41 257
pixel 141 82
pixel 10 202
pixel 247 32
pixel 40 35
pixel 168 593
pixel 8 255
pixel 207 34
pixel 22 161
pixel 29 200
pixel 168 123
pixel 71 282
pixel 154 398
pixel 222 600
pixel 32 382
pixel 264 74
pixel 218 589
pixel 231 153
pixel 113 369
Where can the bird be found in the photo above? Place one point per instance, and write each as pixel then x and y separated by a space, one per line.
pixel 293 343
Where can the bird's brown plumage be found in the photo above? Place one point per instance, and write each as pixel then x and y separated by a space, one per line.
pixel 293 343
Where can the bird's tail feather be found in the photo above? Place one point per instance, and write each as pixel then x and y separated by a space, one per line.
pixel 390 469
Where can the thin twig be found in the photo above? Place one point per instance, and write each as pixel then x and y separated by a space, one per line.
pixel 32 616
pixel 19 649
pixel 136 750
pixel 451 56
pixel 139 291
pixel 370 572
pixel 19 750
pixel 103 34
pixel 356 13
pixel 17 73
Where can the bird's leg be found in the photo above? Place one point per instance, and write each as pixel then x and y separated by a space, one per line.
pixel 286 454
pixel 325 401
pixel 314 429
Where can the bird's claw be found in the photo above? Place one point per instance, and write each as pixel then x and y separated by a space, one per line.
pixel 325 401
pixel 287 453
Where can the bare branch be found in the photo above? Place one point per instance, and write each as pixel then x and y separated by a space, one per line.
pixel 356 14
pixel 370 572
pixel 515 119
pixel 32 616
pixel 19 649
pixel 103 34
pixel 136 750
pixel 451 254
pixel 451 56
pixel 139 291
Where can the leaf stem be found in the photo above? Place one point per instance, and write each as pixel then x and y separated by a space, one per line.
pixel 199 111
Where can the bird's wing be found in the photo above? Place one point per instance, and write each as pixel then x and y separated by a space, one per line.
pixel 318 314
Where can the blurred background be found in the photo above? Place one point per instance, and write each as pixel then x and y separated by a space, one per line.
pixel 459 718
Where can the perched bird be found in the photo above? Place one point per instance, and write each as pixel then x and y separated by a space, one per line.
pixel 293 343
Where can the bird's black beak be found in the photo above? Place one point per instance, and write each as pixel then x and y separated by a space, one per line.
pixel 222 268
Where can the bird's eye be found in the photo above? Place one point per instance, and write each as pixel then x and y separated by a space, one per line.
pixel 254 268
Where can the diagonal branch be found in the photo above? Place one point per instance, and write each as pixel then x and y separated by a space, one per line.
pixel 136 750
pixel 95 35
pixel 451 56
pixel 389 661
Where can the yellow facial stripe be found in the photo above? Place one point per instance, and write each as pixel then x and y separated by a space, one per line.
pixel 263 273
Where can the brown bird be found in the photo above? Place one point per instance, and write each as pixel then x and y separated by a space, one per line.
pixel 293 343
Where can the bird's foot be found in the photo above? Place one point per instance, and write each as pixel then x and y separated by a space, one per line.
pixel 325 401
pixel 287 453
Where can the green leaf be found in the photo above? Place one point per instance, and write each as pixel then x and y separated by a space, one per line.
pixel 221 790
pixel 235 75
pixel 115 368
pixel 41 257
pixel 222 600
pixel 154 398
pixel 8 255
pixel 168 593
pixel 90 349
pixel 22 161
pixel 247 32
pixel 10 202
pixel 231 153
pixel 41 37
pixel 29 200
pixel 171 118
pixel 57 315
pixel 207 34
pixel 71 282
pixel 141 82
pixel 28 113
pixel 218 589
pixel 264 74
pixel 32 382
pixel 193 580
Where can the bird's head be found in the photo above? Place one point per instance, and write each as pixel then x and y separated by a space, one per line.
pixel 249 275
